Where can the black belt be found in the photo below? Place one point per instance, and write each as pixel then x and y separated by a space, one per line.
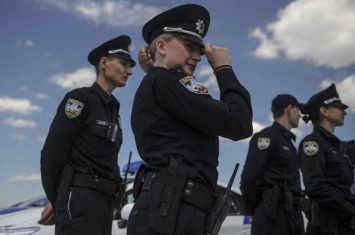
pixel 194 193
pixel 97 183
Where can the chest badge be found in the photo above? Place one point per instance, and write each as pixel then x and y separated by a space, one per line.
pixel 263 143
pixel 194 86
pixel 73 108
pixel 310 147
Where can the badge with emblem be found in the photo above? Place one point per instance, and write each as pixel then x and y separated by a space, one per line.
pixel 310 147
pixel 194 86
pixel 73 108
pixel 263 143
pixel 200 26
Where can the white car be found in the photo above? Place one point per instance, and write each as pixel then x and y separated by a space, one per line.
pixel 22 218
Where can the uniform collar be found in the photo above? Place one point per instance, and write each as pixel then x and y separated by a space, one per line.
pixel 288 134
pixel 327 135
pixel 104 96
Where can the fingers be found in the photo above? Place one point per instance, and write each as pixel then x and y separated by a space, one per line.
pixel 47 216
pixel 217 56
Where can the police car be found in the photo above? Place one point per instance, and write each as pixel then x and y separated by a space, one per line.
pixel 22 217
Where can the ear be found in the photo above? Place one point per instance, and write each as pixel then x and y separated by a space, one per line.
pixel 160 45
pixel 103 62
pixel 289 108
pixel 323 111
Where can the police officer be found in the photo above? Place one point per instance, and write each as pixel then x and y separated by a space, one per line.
pixel 327 169
pixel 270 181
pixel 176 123
pixel 79 169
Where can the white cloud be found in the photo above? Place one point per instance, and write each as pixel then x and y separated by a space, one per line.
pixel 27 43
pixel 41 139
pixel 42 96
pixel 256 128
pixel 22 106
pixel 82 77
pixel 20 123
pixel 25 176
pixel 18 137
pixel 211 81
pixel 109 12
pixel 345 88
pixel 320 32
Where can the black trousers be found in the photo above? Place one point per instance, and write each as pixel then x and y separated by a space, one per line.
pixel 87 212
pixel 285 223
pixel 344 228
pixel 190 220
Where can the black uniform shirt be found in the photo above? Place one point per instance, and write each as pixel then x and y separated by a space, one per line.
pixel 271 159
pixel 82 133
pixel 174 115
pixel 327 173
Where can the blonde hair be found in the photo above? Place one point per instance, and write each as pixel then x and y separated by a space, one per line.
pixel 146 55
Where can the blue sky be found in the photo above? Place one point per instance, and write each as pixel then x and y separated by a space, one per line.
pixel 297 47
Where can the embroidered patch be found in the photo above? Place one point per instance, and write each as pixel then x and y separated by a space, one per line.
pixel 310 148
pixel 73 108
pixel 194 86
pixel 263 143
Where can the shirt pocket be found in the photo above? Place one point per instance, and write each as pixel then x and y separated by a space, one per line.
pixel 103 139
pixel 337 170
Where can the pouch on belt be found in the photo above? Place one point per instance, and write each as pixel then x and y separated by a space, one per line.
pixel 165 195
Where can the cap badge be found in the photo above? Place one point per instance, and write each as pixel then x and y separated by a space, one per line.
pixel 129 48
pixel 310 148
pixel 263 143
pixel 331 100
pixel 73 108
pixel 194 86
pixel 200 26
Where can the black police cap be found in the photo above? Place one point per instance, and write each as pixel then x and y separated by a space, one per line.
pixel 189 21
pixel 119 46
pixel 327 97
pixel 282 101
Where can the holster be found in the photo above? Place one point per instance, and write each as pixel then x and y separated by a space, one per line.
pixel 271 200
pixel 138 180
pixel 288 200
pixel 306 208
pixel 166 190
pixel 65 186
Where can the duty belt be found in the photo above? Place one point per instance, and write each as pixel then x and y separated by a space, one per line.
pixel 194 193
pixel 97 183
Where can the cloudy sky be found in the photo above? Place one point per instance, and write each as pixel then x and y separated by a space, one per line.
pixel 298 47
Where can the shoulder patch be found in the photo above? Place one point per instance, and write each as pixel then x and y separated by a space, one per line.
pixel 263 143
pixel 194 86
pixel 73 108
pixel 310 147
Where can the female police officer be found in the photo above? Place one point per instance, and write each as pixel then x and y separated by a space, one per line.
pixel 327 171
pixel 176 123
